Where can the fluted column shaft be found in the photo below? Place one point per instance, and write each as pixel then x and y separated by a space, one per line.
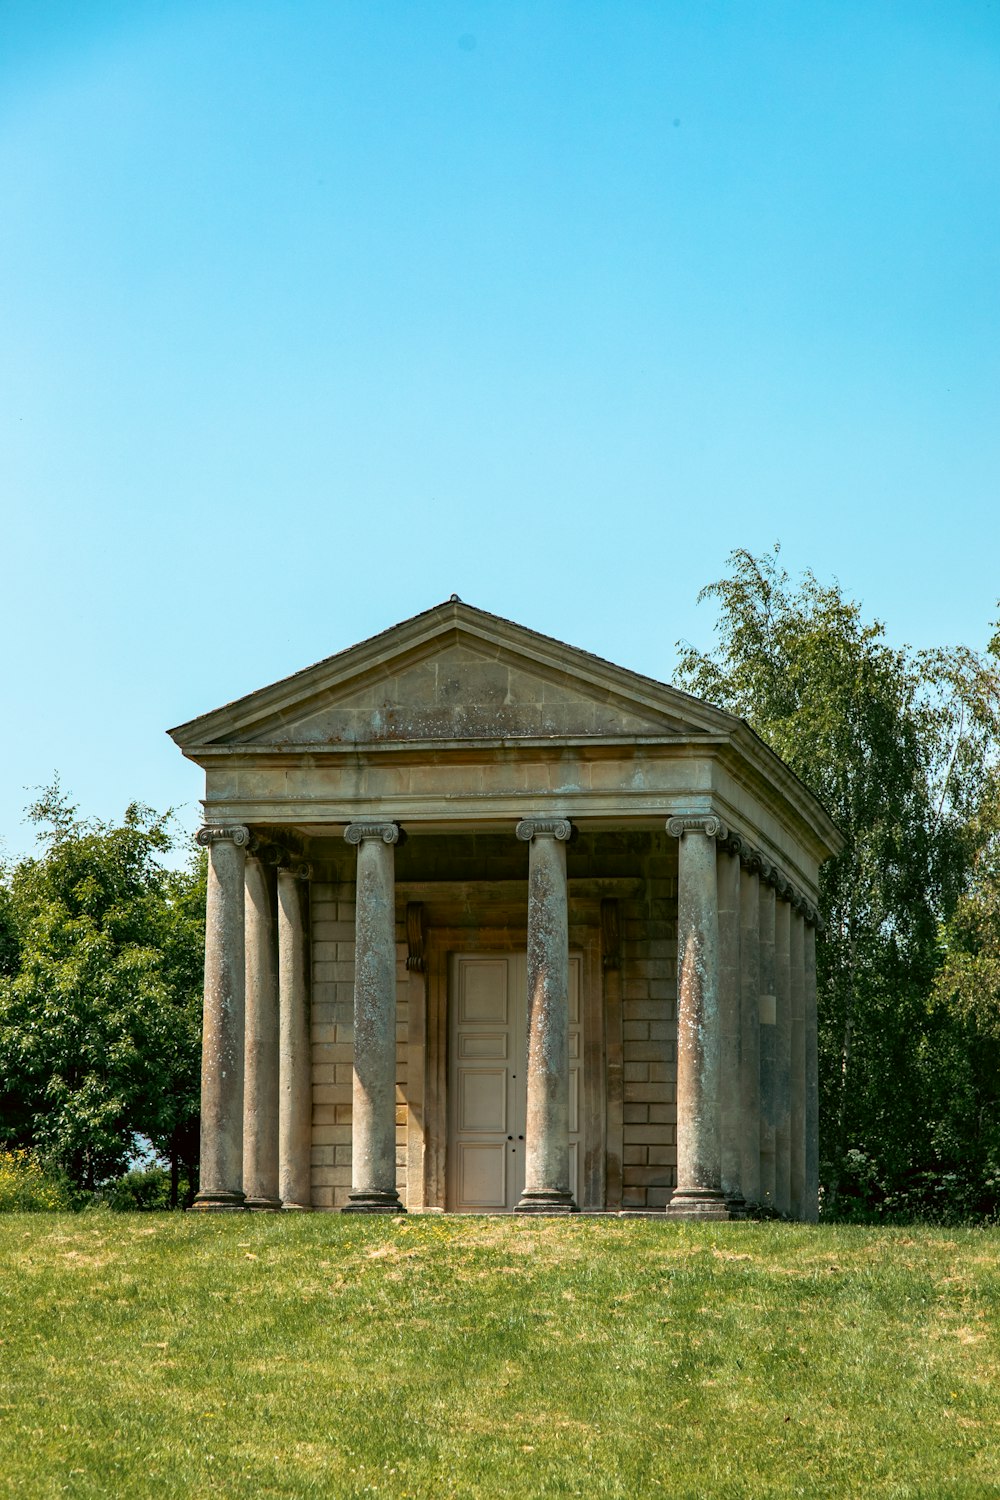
pixel 373 1117
pixel 546 1144
pixel 295 1070
pixel 260 1093
pixel 699 1167
pixel 221 1174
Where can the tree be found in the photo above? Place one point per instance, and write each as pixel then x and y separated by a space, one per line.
pixel 878 734
pixel 99 993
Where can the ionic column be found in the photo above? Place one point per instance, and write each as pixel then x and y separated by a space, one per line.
pixel 782 1054
pixel 768 1049
pixel 546 1142
pixel 699 1167
pixel 295 1064
pixel 373 1127
pixel 260 1086
pixel 221 1173
pixel 798 1063
pixel 810 1207
pixel 728 874
pixel 750 1025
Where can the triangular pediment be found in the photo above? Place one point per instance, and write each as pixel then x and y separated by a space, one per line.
pixel 454 673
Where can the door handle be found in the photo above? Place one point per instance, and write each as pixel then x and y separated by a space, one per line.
pixel 520 1137
pixel 510 1137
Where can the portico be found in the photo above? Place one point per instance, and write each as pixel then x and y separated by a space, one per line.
pixel 495 925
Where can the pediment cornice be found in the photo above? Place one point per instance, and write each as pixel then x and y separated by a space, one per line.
pixel 450 625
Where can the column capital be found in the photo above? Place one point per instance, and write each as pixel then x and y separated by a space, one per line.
pixel 214 833
pixel 557 828
pixel 356 833
pixel 707 823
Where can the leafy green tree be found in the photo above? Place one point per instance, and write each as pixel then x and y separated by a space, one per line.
pixel 967 988
pixel 878 734
pixel 99 1007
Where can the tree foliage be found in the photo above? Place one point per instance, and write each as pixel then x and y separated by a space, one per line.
pixel 897 747
pixel 100 977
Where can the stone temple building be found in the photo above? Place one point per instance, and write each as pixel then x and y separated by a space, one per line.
pixel 494 926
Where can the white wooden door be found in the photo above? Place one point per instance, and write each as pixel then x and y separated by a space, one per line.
pixel 488 1030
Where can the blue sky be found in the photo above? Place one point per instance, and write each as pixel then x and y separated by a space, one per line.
pixel 314 313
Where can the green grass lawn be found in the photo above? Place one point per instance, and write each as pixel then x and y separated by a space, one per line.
pixel 307 1355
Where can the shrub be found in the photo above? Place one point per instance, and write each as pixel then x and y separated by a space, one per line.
pixel 142 1189
pixel 28 1186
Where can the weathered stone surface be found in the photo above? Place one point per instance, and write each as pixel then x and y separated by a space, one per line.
pixel 452 724
pixel 260 1094
pixel 730 1036
pixel 750 1032
pixel 699 1149
pixel 768 1047
pixel 546 1184
pixel 373 1171
pixel 223 1023
pixel 295 1080
pixel 797 1067
pixel 782 1058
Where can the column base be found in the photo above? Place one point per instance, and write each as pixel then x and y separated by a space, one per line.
pixel 546 1203
pixel 698 1203
pixel 373 1203
pixel 296 1208
pixel 271 1205
pixel 219 1202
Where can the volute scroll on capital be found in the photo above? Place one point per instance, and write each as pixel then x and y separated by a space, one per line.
pixel 214 833
pixel 354 833
pixel 558 828
pixel 707 823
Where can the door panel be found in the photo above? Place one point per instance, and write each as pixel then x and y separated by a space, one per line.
pixel 482 1100
pixel 483 994
pixel 481 1176
pixel 487 1067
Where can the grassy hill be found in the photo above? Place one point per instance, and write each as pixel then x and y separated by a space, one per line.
pixel 261 1355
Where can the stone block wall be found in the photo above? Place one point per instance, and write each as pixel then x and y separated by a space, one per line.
pixel 648 1009
pixel 332 923
pixel 649 1033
